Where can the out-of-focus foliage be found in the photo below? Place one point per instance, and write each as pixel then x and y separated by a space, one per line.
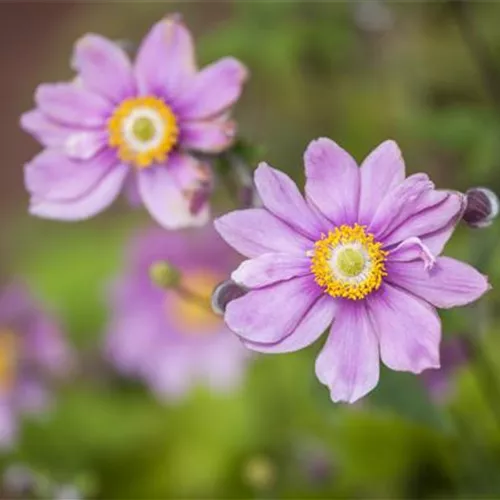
pixel 317 69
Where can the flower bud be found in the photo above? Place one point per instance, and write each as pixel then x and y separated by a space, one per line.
pixel 482 207
pixel 163 275
pixel 224 293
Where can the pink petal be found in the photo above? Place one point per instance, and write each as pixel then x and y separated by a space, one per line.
pixel 171 375
pixel 46 131
pixel 85 145
pixel 412 249
pixel 280 196
pixel 411 196
pixel 8 425
pixel 349 361
pixel 270 268
pixel 103 67
pixel 211 136
pixel 450 283
pixel 332 181
pixel 310 328
pixel 270 314
pixel 255 231
pixel 131 191
pixel 88 204
pixel 434 217
pixel 213 90
pixel 70 104
pixel 52 175
pixel 409 330
pixel 167 191
pixel 221 363
pixel 381 171
pixel 165 60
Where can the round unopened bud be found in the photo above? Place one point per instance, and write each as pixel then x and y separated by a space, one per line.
pixel 482 207
pixel 224 293
pixel 163 275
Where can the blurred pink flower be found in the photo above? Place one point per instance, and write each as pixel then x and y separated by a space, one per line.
pixel 122 126
pixel 362 248
pixel 32 350
pixel 166 337
pixel 455 353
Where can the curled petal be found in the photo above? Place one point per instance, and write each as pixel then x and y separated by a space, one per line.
pixel 85 145
pixel 413 249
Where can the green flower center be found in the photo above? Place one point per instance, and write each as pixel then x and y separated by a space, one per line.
pixel 143 129
pixel 350 262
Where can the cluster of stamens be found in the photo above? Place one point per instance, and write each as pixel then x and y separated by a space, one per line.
pixel 348 262
pixel 143 130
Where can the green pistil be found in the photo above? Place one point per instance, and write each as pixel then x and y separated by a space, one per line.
pixel 143 129
pixel 350 262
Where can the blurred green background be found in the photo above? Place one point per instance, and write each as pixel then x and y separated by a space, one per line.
pixel 424 74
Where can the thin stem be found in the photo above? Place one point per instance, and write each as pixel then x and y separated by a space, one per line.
pixel 193 297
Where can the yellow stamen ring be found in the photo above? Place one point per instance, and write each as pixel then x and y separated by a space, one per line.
pixel 144 130
pixel 348 262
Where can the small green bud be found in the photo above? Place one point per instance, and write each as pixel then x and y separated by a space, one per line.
pixel 163 275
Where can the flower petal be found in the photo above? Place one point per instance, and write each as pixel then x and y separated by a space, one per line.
pixel 86 205
pixel 270 314
pixel 381 171
pixel 310 328
pixel 412 249
pixel 434 217
pixel 270 268
pixel 211 136
pixel 450 283
pixel 85 145
pixel 213 90
pixel 165 60
pixel 167 192
pixel 280 196
pixel 255 231
pixel 349 362
pixel 52 175
pixel 332 181
pixel 409 330
pixel 46 131
pixel 401 203
pixel 69 104
pixel 103 67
